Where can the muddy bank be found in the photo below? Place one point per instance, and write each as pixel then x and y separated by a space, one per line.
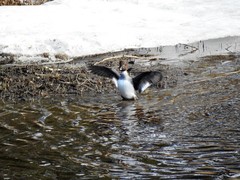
pixel 33 81
pixel 180 64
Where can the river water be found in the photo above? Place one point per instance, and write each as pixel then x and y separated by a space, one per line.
pixel 165 134
pixel 190 131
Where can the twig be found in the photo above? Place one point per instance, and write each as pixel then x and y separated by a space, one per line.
pixel 115 57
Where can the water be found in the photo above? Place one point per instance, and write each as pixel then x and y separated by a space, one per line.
pixel 161 135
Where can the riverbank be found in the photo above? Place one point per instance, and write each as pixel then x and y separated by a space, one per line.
pixel 183 63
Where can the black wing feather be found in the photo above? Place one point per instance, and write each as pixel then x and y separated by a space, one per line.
pixel 104 71
pixel 151 77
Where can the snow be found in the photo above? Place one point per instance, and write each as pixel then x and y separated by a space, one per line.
pixel 85 27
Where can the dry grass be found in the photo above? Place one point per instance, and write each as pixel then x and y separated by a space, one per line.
pixel 21 2
pixel 34 81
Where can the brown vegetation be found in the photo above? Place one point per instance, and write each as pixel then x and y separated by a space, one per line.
pixel 22 2
pixel 36 80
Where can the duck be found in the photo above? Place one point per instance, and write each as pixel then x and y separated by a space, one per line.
pixel 127 85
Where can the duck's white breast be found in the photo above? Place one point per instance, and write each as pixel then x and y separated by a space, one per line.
pixel 126 89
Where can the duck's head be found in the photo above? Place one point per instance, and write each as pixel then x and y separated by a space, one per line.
pixel 123 65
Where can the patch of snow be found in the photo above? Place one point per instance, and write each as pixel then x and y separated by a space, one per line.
pixel 86 27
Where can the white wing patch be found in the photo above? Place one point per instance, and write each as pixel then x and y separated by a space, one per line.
pixel 115 82
pixel 144 86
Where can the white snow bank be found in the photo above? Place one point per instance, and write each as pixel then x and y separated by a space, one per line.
pixel 83 27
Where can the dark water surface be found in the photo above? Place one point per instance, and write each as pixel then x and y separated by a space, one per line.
pixel 164 134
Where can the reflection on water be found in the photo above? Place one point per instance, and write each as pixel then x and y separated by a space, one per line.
pixel 84 139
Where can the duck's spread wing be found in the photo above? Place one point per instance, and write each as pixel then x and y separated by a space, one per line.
pixel 105 72
pixel 146 79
